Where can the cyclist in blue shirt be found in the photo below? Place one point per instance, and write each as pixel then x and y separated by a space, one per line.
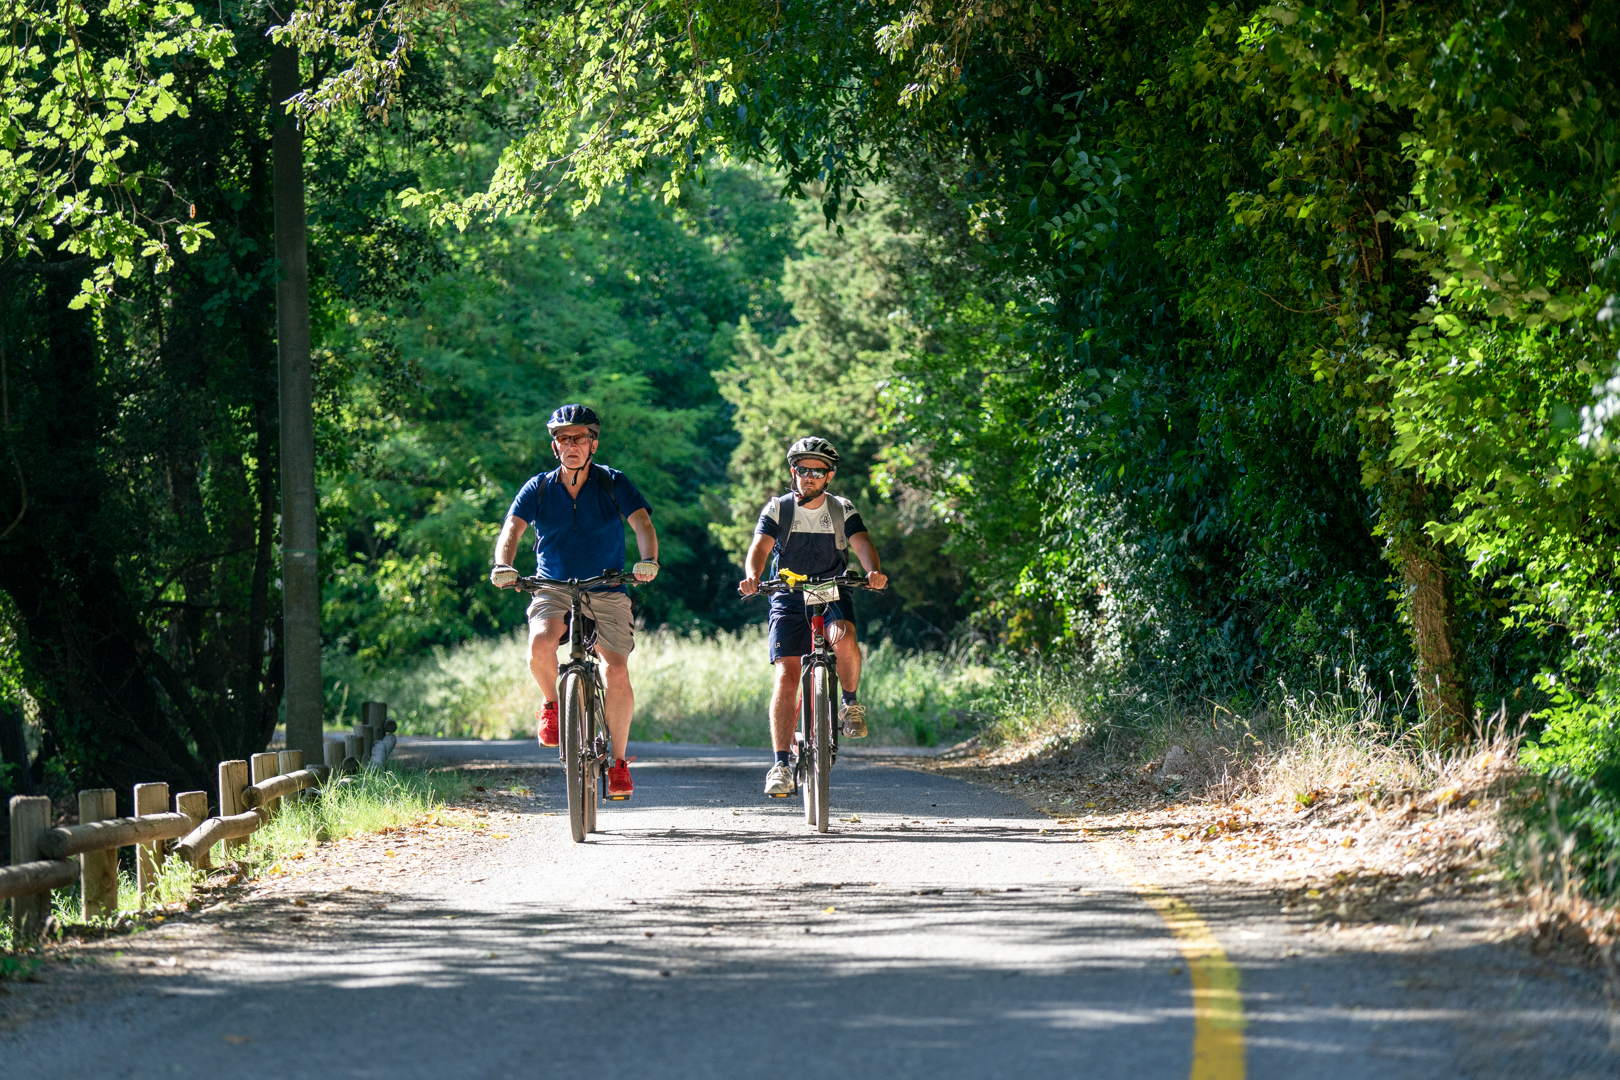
pixel 576 510
pixel 818 532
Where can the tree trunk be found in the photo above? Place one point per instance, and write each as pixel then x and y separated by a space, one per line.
pixel 1442 677
pixel 300 578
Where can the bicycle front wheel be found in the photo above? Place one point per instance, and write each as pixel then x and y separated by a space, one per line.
pixel 574 747
pixel 821 712
pixel 595 777
pixel 805 766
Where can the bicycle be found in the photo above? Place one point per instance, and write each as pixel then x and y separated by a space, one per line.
pixel 583 750
pixel 816 741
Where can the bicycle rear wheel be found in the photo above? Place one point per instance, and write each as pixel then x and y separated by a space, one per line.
pixel 821 714
pixel 574 745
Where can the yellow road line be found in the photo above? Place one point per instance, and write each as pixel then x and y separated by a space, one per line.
pixel 1218 1052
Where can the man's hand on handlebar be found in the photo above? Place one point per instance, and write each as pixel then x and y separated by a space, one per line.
pixel 646 569
pixel 503 577
pixel 877 579
pixel 748 586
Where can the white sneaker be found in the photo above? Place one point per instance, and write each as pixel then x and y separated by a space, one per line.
pixel 853 717
pixel 779 781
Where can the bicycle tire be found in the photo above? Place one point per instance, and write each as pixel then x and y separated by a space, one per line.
pixel 804 765
pixel 594 776
pixel 821 712
pixel 573 728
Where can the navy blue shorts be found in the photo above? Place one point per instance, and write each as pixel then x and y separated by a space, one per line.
pixel 790 626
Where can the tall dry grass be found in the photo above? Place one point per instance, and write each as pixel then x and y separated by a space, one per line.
pixel 1343 732
pixel 689 687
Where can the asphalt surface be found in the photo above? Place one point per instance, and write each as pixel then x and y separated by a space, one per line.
pixel 706 932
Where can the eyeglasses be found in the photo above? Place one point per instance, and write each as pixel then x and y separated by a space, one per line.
pixel 814 474
pixel 573 440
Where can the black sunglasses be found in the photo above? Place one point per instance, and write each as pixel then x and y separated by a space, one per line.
pixel 814 474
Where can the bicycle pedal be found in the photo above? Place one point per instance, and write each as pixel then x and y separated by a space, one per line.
pixel 784 795
pixel 618 798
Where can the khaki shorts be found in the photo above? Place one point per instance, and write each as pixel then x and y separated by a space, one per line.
pixel 615 631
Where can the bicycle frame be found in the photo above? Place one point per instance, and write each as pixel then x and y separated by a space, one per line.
pixel 822 657
pixel 584 665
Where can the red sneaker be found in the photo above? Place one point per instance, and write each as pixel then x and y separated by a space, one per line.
pixel 547 716
pixel 620 786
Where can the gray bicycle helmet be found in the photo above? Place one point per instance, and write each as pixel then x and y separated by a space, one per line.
pixel 574 416
pixel 812 446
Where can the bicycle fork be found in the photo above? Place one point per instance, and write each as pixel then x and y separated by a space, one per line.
pixel 818 657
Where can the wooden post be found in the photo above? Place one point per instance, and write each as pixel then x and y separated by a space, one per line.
pixel 334 755
pixel 233 777
pixel 264 767
pixel 353 747
pixel 30 816
pixel 291 761
pixel 368 737
pixel 375 713
pixel 98 870
pixel 194 804
pixel 149 799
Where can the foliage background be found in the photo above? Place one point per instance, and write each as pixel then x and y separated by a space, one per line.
pixel 1207 348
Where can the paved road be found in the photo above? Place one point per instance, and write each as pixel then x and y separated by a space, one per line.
pixel 707 933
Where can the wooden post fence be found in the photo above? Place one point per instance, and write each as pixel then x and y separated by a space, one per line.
pixel 30 817
pixel 264 767
pixel 149 799
pixel 250 792
pixel 98 870
pixel 194 804
pixel 233 777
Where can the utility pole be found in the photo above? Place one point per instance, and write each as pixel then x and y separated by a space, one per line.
pixel 300 577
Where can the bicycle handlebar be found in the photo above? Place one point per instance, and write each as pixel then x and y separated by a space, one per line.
pixel 850 579
pixel 609 578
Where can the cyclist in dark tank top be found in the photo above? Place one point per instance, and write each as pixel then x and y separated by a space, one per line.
pixel 820 529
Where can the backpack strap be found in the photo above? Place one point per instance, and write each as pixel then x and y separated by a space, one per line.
pixel 836 509
pixel 784 528
pixel 605 481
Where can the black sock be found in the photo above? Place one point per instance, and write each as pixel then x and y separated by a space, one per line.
pixel 849 697
pixel 784 757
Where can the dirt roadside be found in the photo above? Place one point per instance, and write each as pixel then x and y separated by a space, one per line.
pixel 1342 869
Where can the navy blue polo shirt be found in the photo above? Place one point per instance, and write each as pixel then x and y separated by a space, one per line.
pixel 578 538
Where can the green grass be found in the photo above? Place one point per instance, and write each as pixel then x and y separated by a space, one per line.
pixel 689 688
pixel 370 801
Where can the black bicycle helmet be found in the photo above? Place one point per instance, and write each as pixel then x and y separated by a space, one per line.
pixel 813 446
pixel 574 416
